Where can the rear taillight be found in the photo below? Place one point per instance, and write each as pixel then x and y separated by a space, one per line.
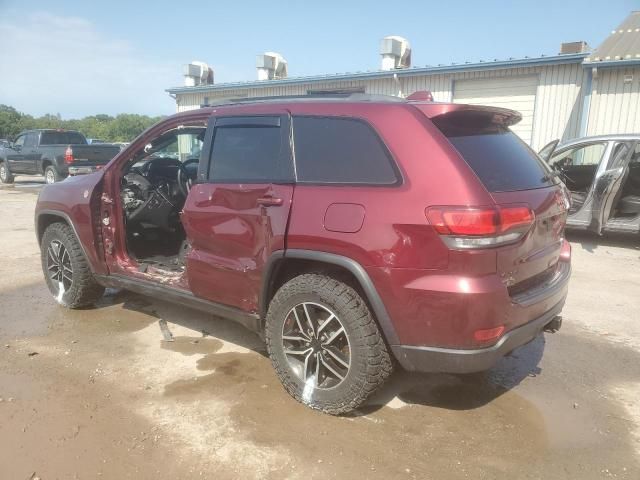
pixel 68 155
pixel 464 227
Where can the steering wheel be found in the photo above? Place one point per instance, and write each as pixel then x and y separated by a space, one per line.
pixel 183 179
pixel 559 167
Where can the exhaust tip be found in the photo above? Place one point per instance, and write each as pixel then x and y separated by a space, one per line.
pixel 554 325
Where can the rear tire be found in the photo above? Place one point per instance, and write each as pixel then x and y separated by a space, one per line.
pixel 344 340
pixel 51 175
pixel 66 269
pixel 5 175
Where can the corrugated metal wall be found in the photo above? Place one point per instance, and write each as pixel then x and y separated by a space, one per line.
pixel 557 109
pixel 558 104
pixel 615 105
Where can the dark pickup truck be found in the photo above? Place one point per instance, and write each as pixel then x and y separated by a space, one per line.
pixel 54 154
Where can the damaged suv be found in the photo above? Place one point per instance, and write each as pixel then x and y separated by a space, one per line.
pixel 352 232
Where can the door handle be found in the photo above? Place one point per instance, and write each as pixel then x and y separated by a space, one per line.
pixel 268 201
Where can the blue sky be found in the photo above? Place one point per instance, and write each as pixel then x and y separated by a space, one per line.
pixel 79 58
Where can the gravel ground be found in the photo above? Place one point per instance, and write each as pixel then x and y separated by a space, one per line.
pixel 97 393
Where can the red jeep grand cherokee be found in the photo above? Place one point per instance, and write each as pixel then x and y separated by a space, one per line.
pixel 347 231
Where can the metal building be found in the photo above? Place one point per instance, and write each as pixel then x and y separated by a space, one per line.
pixel 575 93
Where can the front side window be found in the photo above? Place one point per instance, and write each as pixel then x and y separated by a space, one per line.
pixel 340 150
pixel 19 141
pixel 583 155
pixel 31 140
pixel 176 145
pixel 249 151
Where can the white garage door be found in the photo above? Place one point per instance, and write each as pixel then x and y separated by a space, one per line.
pixel 516 93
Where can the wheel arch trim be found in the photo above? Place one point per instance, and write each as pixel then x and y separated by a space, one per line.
pixel 67 219
pixel 44 163
pixel 360 274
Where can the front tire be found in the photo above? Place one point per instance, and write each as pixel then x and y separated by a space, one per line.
pixel 325 345
pixel 51 175
pixel 66 269
pixel 5 175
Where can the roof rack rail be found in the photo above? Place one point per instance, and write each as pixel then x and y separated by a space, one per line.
pixel 313 96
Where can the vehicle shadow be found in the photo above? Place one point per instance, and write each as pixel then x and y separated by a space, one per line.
pixel 461 392
pixel 202 324
pixel 590 241
pixel 446 391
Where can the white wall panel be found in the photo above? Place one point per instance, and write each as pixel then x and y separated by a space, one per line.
pixel 615 104
pixel 516 93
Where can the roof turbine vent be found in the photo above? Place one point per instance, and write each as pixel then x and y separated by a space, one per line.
pixel 396 53
pixel 271 66
pixel 197 73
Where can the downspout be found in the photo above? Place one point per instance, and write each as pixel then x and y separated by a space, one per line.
pixel 399 84
pixel 175 97
pixel 586 101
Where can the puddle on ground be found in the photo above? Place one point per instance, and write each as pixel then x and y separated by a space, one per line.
pixel 563 424
pixel 28 311
pixel 192 345
pixel 439 413
pixel 451 425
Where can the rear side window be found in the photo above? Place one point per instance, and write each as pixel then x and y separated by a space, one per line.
pixel 502 161
pixel 340 150
pixel 62 138
pixel 244 152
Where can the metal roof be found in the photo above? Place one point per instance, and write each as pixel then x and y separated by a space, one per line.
pixel 406 72
pixel 621 47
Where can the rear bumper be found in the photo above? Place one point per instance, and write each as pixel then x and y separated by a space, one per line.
pixel 83 170
pixel 450 360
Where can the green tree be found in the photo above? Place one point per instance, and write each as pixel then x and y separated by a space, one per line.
pixel 10 121
pixel 122 128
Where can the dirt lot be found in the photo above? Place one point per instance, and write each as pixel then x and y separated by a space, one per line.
pixel 98 394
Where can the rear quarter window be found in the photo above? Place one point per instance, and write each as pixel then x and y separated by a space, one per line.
pixel 340 150
pixel 500 159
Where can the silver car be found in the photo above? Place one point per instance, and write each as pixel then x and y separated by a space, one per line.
pixel 603 175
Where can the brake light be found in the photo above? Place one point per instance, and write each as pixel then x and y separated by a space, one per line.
pixel 463 227
pixel 68 155
pixel 515 217
pixel 463 222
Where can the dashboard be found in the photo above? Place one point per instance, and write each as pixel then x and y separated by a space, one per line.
pixel 153 191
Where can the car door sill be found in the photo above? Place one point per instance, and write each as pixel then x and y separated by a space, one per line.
pixel 143 287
